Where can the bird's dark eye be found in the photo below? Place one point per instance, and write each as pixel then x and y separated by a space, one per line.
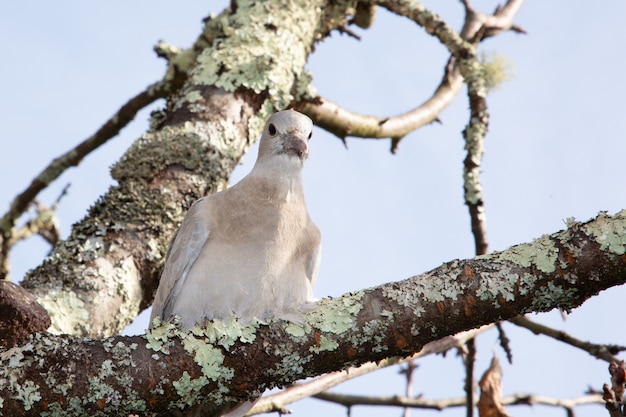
pixel 271 129
pixel 310 135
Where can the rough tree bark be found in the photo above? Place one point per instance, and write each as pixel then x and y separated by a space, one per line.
pixel 227 362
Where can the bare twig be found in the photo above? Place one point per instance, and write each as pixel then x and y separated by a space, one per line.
pixel 604 352
pixel 71 158
pixel 280 400
pixel 343 123
pixel 349 32
pixel 504 342
pixel 442 404
pixel 469 360
pixel 614 395
pixel 45 223
pixel 408 372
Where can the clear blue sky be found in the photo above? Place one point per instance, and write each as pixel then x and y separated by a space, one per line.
pixel 556 148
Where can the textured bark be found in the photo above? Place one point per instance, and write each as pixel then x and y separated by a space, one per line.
pixel 21 315
pixel 168 368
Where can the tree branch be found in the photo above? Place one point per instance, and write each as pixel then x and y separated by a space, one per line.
pixel 226 362
pixel 71 158
pixel 613 396
pixel 342 122
pixel 444 403
pixel 604 352
pixel 278 402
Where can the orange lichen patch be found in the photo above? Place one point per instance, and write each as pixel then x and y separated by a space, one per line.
pixel 401 342
pixel 101 403
pixel 501 300
pixel 470 302
pixel 440 307
pixel 317 338
pixel 351 352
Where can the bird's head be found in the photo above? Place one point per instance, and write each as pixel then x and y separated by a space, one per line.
pixel 286 133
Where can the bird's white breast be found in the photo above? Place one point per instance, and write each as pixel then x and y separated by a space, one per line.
pixel 251 266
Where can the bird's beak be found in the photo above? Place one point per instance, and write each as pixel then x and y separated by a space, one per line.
pixel 298 144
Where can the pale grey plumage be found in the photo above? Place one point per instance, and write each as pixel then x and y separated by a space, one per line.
pixel 250 250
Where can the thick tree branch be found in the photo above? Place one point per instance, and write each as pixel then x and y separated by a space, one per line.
pixel 227 362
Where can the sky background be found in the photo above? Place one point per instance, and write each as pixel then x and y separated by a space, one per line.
pixel 556 148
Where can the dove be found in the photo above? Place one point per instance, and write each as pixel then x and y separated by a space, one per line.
pixel 251 250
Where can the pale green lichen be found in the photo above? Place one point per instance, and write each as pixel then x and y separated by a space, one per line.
pixel 609 232
pixel 542 253
pixel 325 343
pixel 188 389
pixel 289 364
pixel 497 288
pixel 160 333
pixel 546 298
pixel 226 332
pixel 98 389
pixel 336 317
pixel 297 330
pixel 258 120
pixel 373 331
pixel 193 96
pixel 209 358
pixel 67 311
pixel 420 291
pixel 473 72
pixel 473 187
pixel 496 70
pixel 265 49
pixel 154 252
pixel 27 393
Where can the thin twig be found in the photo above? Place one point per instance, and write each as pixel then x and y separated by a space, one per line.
pixel 408 372
pixel 604 352
pixel 469 360
pixel 342 122
pixel 71 158
pixel 442 404
pixel 613 396
pixel 504 342
pixel 280 400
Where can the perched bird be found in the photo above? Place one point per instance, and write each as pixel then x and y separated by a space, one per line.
pixel 252 249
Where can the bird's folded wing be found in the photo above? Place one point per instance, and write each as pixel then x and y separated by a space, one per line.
pixel 184 249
